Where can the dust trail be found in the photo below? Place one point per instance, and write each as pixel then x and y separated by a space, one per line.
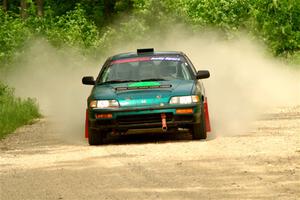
pixel 244 81
pixel 54 79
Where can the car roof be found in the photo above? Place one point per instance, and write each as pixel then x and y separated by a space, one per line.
pixel 155 53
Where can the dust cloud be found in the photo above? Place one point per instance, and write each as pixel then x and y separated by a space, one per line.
pixel 245 82
pixel 54 79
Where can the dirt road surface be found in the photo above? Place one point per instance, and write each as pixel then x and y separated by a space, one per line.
pixel 264 163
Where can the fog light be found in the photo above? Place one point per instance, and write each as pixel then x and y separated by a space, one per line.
pixel 103 116
pixel 184 111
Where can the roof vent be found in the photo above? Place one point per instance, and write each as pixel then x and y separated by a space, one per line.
pixel 148 50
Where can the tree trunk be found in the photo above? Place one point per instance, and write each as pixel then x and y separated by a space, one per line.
pixel 5 5
pixel 40 7
pixel 23 9
pixel 108 9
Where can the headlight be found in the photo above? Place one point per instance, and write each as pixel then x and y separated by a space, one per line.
pixel 184 99
pixel 104 104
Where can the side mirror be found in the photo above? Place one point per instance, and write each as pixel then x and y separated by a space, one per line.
pixel 202 74
pixel 88 80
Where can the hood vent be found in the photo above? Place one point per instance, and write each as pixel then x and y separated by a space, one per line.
pixel 142 87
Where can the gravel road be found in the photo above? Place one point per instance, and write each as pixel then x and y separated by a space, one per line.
pixel 263 163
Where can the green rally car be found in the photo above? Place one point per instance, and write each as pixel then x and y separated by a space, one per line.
pixel 146 89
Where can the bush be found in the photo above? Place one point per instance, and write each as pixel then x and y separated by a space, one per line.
pixel 13 34
pixel 72 29
pixel 278 24
pixel 226 15
pixel 15 112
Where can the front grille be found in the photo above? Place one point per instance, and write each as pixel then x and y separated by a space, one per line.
pixel 187 118
pixel 141 119
pixel 104 122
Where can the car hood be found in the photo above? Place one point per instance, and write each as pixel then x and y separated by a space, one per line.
pixel 160 93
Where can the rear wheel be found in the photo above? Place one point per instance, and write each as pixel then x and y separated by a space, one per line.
pixel 199 130
pixel 95 137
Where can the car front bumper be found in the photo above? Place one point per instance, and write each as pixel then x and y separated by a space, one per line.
pixel 144 117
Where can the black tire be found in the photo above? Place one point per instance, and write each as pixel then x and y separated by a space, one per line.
pixel 95 137
pixel 199 130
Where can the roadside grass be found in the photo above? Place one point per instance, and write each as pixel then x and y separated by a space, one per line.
pixel 14 111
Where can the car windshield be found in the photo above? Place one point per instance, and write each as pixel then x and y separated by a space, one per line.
pixel 146 69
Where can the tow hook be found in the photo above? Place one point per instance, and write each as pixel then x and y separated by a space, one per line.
pixel 164 122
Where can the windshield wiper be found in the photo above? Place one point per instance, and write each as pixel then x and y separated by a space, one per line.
pixel 118 81
pixel 153 79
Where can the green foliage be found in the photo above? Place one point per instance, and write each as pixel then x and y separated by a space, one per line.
pixel 294 59
pixel 227 15
pixel 278 23
pixel 15 112
pixel 72 29
pixel 13 34
pixel 274 22
pixel 88 24
pixel 102 12
pixel 148 20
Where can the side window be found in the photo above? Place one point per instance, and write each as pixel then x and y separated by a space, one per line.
pixel 103 68
pixel 184 71
pixel 105 74
pixel 190 64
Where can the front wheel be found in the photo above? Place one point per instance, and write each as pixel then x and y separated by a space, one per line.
pixel 199 130
pixel 95 137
